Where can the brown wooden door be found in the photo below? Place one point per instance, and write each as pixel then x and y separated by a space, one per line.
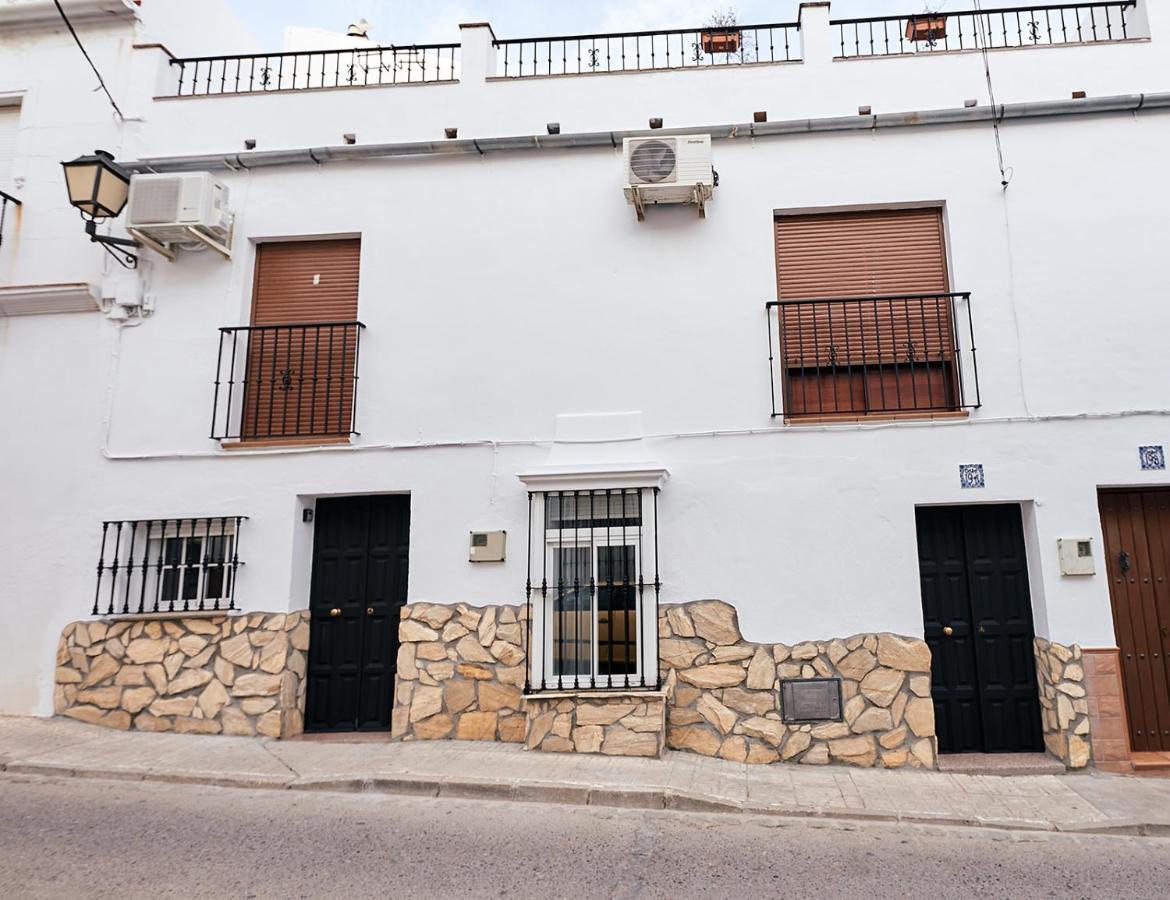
pixel 864 356
pixel 302 351
pixel 1136 524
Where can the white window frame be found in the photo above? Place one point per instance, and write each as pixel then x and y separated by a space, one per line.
pixel 543 544
pixel 184 531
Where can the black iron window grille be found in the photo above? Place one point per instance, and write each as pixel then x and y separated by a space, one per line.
pixel 286 381
pixel 641 51
pixel 208 76
pixel 592 591
pixel 855 356
pixel 6 200
pixel 992 29
pixel 168 565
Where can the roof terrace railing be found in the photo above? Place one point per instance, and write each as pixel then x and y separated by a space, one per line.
pixel 640 51
pixel 205 76
pixel 992 29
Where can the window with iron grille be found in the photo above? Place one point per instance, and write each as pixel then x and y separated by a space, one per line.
pixel 593 589
pixel 168 565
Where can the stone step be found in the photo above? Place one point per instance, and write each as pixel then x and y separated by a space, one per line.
pixel 1000 764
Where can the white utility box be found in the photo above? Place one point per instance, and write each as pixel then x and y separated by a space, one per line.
pixel 1076 556
pixel 487 546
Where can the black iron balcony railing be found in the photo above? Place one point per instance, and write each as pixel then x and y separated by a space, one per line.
pixel 168 565
pixel 639 51
pixel 859 356
pixel 315 69
pixel 286 381
pixel 992 29
pixel 5 200
pixel 592 590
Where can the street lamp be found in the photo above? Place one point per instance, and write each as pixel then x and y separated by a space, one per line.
pixel 98 188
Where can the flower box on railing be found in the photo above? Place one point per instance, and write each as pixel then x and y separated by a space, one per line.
pixel 926 28
pixel 722 41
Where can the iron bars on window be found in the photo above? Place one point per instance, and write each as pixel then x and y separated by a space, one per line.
pixel 592 590
pixel 286 381
pixel 640 51
pixel 854 356
pixel 168 566
pixel 992 29
pixel 206 76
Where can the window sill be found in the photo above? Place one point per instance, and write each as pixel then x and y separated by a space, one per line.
pixel 642 693
pixel 177 614
pixel 854 419
pixel 275 443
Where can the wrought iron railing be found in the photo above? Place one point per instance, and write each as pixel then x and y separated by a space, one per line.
pixel 286 381
pixel 168 565
pixel 5 200
pixel 857 356
pixel 315 69
pixel 639 51
pixel 1019 26
pixel 592 590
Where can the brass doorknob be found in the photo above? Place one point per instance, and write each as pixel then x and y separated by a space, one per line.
pixel 369 610
pixel 948 631
pixel 335 612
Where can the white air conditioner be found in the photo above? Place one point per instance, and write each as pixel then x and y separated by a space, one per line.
pixel 165 211
pixel 675 169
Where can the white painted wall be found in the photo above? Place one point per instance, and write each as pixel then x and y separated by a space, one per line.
pixel 502 291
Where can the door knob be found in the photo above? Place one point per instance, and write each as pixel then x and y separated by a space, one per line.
pixel 335 612
pixel 1123 561
pixel 369 610
pixel 948 631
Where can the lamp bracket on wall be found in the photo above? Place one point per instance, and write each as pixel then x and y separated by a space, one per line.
pixel 114 246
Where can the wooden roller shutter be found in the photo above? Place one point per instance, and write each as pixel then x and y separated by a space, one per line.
pixel 301 363
pixel 864 356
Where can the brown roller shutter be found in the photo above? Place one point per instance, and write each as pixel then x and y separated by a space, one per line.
pixel 301 366
pixel 864 357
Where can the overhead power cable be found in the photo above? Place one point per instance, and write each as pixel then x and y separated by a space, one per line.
pixel 1005 175
pixel 85 53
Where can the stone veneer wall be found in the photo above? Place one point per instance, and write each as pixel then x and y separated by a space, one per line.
pixel 724 693
pixel 620 724
pixel 460 673
pixel 1064 705
pixel 222 674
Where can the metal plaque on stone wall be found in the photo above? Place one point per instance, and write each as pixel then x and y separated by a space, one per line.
pixel 810 699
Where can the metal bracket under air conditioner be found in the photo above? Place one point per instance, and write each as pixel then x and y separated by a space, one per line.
pixel 163 250
pixel 170 251
pixel 700 196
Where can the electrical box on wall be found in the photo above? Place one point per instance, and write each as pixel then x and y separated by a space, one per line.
pixel 487 546
pixel 1076 556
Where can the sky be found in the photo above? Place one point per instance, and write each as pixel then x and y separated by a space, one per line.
pixel 431 21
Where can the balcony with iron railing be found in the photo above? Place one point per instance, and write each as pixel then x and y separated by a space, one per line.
pixel 1021 27
pixel 666 50
pixel 287 382
pixel 6 200
pixel 854 357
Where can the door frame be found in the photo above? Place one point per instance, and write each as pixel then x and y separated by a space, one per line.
pixel 1037 611
pixel 1124 685
pixel 310 503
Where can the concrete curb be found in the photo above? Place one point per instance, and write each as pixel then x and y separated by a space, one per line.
pixel 575 795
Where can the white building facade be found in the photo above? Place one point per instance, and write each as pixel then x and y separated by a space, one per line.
pixel 954 542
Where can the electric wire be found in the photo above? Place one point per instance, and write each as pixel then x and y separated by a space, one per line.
pixel 85 53
pixel 1005 177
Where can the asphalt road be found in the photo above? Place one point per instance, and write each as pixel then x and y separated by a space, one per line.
pixel 65 837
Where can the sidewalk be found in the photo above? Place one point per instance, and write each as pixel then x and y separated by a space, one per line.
pixel 1094 802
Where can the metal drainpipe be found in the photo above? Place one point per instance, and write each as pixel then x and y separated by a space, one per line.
pixel 1124 103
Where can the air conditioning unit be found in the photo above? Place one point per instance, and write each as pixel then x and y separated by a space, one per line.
pixel 674 169
pixel 167 211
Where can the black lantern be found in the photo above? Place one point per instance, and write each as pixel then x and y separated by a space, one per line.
pixel 98 188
